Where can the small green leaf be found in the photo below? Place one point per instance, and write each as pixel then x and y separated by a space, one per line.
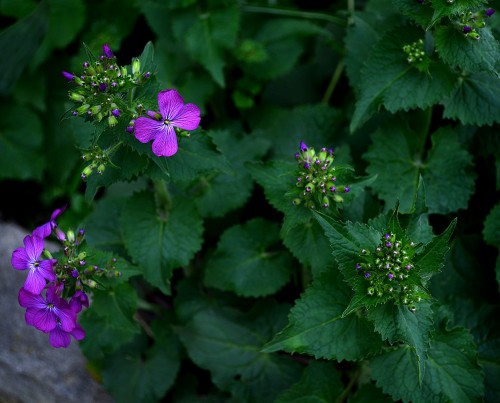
pixel 215 337
pixel 21 137
pixel 451 373
pixel 248 262
pixel 317 327
pixel 320 382
pixel 446 8
pixel 160 241
pixel 491 232
pixel 420 12
pixel 474 100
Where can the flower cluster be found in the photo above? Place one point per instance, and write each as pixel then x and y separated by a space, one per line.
pixel 469 22
pixel 317 178
pixel 390 272
pixel 65 282
pixel 100 86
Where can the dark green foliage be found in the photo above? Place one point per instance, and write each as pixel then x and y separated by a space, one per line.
pixel 233 287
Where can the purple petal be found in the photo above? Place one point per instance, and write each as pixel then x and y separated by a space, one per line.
pixel 46 269
pixel 43 319
pixel 107 51
pixel 146 129
pixel 29 300
pixel 68 76
pixel 43 231
pixel 67 318
pixel 20 259
pixel 59 338
pixel 34 247
pixel 165 145
pixel 35 282
pixel 170 103
pixel 78 333
pixel 57 213
pixel 188 117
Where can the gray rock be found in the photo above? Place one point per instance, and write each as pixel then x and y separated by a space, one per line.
pixel 31 370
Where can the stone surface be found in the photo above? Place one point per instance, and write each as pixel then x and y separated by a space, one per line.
pixel 31 370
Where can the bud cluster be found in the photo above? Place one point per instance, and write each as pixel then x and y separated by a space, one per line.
pixel 100 88
pixel 390 272
pixel 317 178
pixel 415 52
pixel 469 22
pixel 97 159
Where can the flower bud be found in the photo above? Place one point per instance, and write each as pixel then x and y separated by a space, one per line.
pixel 136 66
pixel 112 121
pixel 101 168
pixel 107 51
pixel 75 96
pixel 87 172
pixel 68 76
pixel 95 109
pixel 82 109
pixel 71 236
pixel 60 234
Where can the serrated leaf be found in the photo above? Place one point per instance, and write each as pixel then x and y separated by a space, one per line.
pixel 21 137
pixel 246 260
pixel 445 8
pixel 140 374
pixel 474 99
pixel 465 53
pixel 393 151
pixel 491 230
pixel 222 192
pixel 420 12
pixel 397 323
pixel 20 41
pixel 418 228
pixel 216 338
pixel 159 241
pixel 389 80
pixel 451 372
pixel 431 259
pixel 316 325
pixel 320 382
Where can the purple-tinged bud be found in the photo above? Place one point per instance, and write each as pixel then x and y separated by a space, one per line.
pixel 390 276
pixel 296 155
pixel 114 84
pixel 68 76
pixel 60 235
pixel 82 262
pixel 367 275
pixel 309 187
pixel 408 267
pixel 113 260
pixel 107 51
pixel 307 165
pixel 86 65
pixel 102 87
pixel 75 113
pixel 154 115
pixel 489 12
pixel 299 179
pixel 317 162
pixel 147 74
pixel 130 129
pixel 116 112
pixel 467 29
pixel 333 189
pixel 74 273
pixel 358 266
pixel 347 189
pixel 388 245
pixel 303 146
pixel 387 236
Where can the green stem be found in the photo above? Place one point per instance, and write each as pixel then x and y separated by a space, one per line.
pixel 349 386
pixel 350 9
pixel 294 13
pixel 424 132
pixel 162 196
pixel 333 82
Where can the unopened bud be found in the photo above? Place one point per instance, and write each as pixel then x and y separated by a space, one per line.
pixel 112 121
pixel 82 109
pixel 71 236
pixel 101 168
pixel 77 97
pixel 136 66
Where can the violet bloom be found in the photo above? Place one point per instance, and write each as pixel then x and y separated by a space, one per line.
pixel 173 114
pixel 78 300
pixel 68 76
pixel 489 12
pixel 303 146
pixel 46 313
pixel 107 51
pixel 58 337
pixel 43 231
pixel 29 258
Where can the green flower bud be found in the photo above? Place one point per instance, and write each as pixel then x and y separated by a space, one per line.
pixel 296 202
pixel 75 96
pixel 87 171
pixel 81 255
pixel 82 109
pixel 100 169
pixel 112 121
pixel 136 66
pixel 70 235
pixel 95 109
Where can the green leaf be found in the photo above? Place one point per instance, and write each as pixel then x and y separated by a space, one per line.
pixel 451 371
pixel 394 152
pixel 398 324
pixel 248 262
pixel 65 21
pixel 21 138
pixel 159 241
pixel 222 192
pixel 317 327
pixel 466 53
pixel 214 338
pixel 444 8
pixel 208 33
pixel 418 228
pixel 419 12
pixel 320 382
pixel 369 393
pixel 474 100
pixel 140 374
pixel 197 154
pixel 491 231
pixel 389 80
pixel 431 259
pixel 20 41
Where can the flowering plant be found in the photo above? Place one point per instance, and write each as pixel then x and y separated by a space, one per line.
pixel 263 203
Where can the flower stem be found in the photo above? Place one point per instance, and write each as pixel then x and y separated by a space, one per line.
pixel 333 83
pixel 294 13
pixel 163 199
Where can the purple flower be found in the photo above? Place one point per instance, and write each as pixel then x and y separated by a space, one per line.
pixel 303 146
pixel 174 113
pixel 58 337
pixel 29 258
pixel 102 87
pixel 116 112
pixel 78 300
pixel 68 76
pixel 467 29
pixel 43 231
pixel 46 313
pixel 489 12
pixel 107 51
